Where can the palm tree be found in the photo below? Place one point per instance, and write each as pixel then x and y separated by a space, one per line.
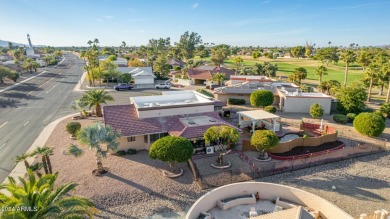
pixel 43 200
pixel 299 74
pixel 327 86
pixel 372 71
pixel 101 139
pixel 40 151
pixel 35 168
pixel 80 106
pixel 94 98
pixel 23 157
pixel 321 71
pixel 89 42
pixel 218 77
pixel 348 57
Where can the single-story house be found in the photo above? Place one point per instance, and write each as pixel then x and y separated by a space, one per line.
pixel 201 75
pixel 121 62
pixel 237 79
pixel 287 96
pixel 143 76
pixel 176 63
pixel 146 119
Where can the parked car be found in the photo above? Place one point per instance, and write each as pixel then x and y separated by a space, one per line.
pixel 213 86
pixel 164 85
pixel 123 86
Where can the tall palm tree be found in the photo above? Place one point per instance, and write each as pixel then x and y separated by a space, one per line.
pixel 299 74
pixel 372 71
pixel 43 200
pixel 348 57
pixel 94 98
pixel 321 71
pixel 218 77
pixel 23 157
pixel 101 139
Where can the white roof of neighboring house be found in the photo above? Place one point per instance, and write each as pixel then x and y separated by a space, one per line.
pixel 137 71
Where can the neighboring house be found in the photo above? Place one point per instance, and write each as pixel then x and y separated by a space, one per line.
pixel 6 58
pixel 201 75
pixel 237 79
pixel 121 62
pixel 176 63
pixel 143 76
pixel 287 96
pixel 146 119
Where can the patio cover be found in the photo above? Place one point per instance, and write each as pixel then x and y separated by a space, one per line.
pixel 258 115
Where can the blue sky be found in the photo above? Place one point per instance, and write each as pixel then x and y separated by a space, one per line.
pixel 240 22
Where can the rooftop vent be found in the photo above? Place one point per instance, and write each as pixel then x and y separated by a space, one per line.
pixel 191 122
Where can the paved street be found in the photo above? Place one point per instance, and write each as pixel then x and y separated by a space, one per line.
pixel 28 107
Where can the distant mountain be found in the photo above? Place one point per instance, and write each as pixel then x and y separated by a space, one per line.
pixel 4 43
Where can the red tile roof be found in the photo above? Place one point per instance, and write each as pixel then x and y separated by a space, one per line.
pixel 206 72
pixel 124 118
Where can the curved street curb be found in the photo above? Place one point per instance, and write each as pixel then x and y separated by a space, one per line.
pixel 20 169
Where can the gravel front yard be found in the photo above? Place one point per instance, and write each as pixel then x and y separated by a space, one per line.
pixel 135 187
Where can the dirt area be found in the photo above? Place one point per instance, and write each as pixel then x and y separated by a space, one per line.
pixel 134 186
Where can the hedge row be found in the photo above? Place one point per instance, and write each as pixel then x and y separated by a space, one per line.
pixel 235 101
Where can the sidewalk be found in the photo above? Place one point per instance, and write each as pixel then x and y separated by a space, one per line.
pixel 20 169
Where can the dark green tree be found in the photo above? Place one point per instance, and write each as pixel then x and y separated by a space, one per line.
pixel 171 149
pixel 261 98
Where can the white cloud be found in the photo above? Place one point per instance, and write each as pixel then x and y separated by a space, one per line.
pixel 109 17
pixel 99 20
pixel 195 5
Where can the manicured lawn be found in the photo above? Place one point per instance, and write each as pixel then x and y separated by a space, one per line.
pixel 287 66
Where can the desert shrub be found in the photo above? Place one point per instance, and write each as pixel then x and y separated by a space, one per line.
pixel 316 110
pixel 235 101
pixel 351 117
pixel 385 109
pixel 121 153
pixel 340 118
pixel 261 98
pixel 131 151
pixel 205 92
pixel 369 124
pixel 270 109
pixel 73 127
pixel 381 114
pixel 176 68
pixel 14 76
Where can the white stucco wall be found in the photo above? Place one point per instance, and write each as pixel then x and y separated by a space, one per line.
pixel 144 80
pixel 302 104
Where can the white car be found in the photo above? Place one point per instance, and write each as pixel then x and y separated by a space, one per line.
pixel 164 85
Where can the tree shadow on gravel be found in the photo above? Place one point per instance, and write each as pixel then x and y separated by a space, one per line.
pixel 145 190
pixel 113 213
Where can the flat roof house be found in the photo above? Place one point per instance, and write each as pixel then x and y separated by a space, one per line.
pixel 143 76
pixel 287 96
pixel 184 113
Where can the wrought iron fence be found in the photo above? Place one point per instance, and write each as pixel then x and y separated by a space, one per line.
pixel 256 170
